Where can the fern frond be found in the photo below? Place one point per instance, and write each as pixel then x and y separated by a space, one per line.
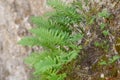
pixel 50 38
pixel 54 76
pixel 33 59
pixel 40 22
pixel 57 4
pixel 53 64
pixel 46 65
pixel 65 14
pixel 67 57
pixel 29 41
pixel 76 37
pixel 72 55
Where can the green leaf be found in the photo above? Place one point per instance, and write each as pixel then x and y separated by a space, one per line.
pixel 44 65
pixel 67 57
pixel 29 41
pixel 78 5
pixel 103 63
pixel 92 20
pixel 104 14
pixel 54 76
pixel 50 38
pixel 76 37
pixel 72 55
pixel 35 57
pixel 106 32
pixel 102 26
pixel 115 58
pixel 40 21
pixel 97 44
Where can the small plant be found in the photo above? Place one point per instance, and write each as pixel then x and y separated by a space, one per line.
pixel 104 14
pixel 103 45
pixel 102 26
pixel 106 32
pixel 54 32
pixel 110 61
pixel 97 44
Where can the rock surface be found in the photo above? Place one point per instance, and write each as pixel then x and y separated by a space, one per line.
pixel 14 23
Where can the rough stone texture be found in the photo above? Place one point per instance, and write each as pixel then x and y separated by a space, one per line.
pixel 14 23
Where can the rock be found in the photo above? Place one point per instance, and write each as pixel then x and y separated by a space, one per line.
pixel 14 24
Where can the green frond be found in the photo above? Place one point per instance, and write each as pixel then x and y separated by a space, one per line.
pixel 35 57
pixel 54 76
pixel 67 17
pixel 78 4
pixel 40 22
pixel 67 57
pixel 76 37
pixel 29 41
pixel 44 65
pixel 72 55
pixel 57 4
pixel 53 64
pixel 65 14
pixel 50 38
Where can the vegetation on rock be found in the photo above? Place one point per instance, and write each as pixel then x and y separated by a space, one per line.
pixel 74 38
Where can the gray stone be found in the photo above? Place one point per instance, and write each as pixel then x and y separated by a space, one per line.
pixel 14 23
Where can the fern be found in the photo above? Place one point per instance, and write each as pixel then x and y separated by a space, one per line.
pixel 54 32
